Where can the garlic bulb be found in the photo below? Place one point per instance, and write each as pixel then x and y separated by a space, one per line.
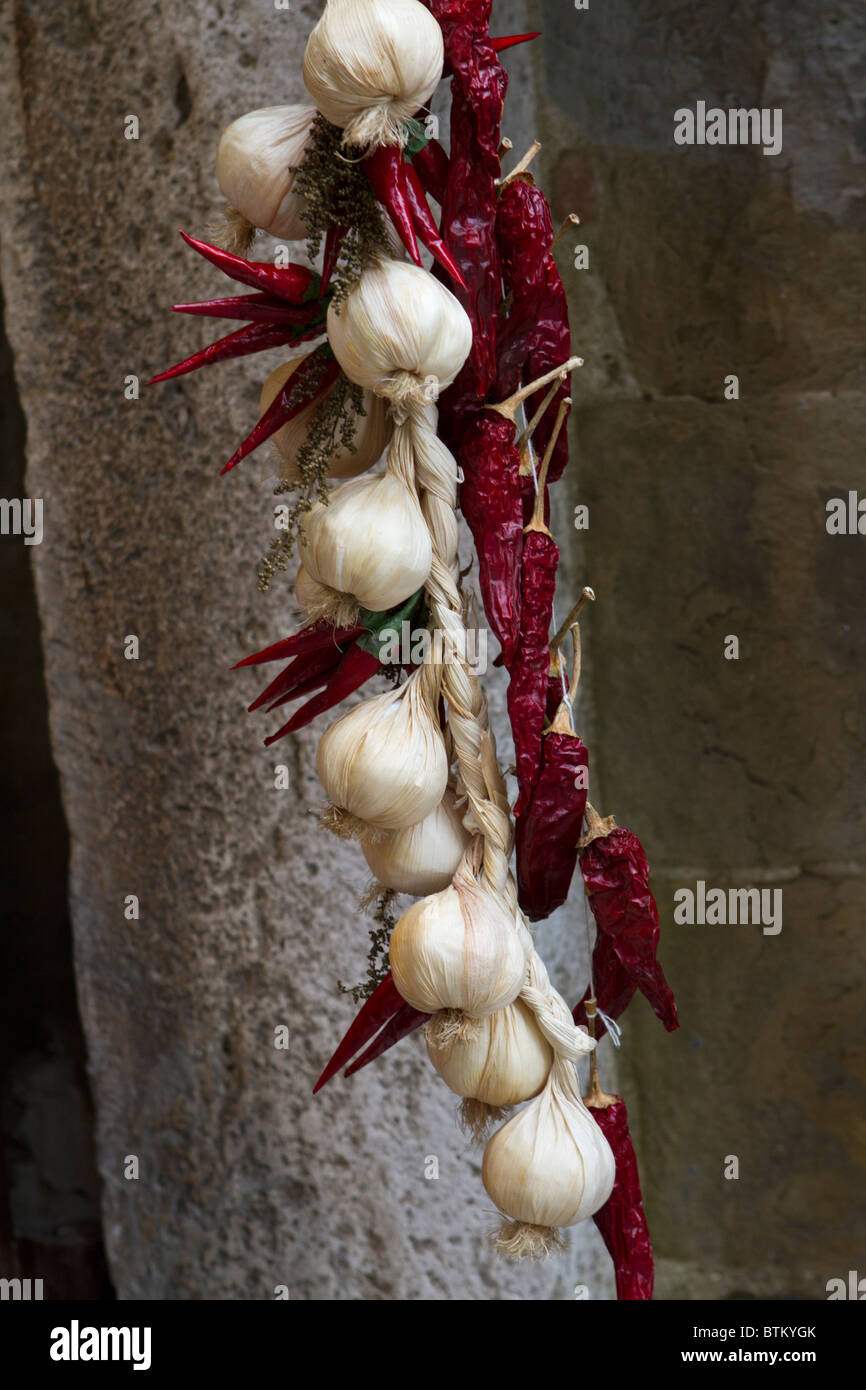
pixel 458 950
pixel 508 1061
pixel 370 541
pixel 371 434
pixel 423 858
pixel 253 163
pixel 370 64
pixel 549 1166
pixel 399 319
pixel 384 762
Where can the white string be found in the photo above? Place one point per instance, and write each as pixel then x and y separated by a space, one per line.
pixel 611 1025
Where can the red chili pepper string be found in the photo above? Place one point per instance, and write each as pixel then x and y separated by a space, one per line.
pixel 379 1009
pixel 527 689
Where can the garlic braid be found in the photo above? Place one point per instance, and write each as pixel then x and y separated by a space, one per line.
pixel 479 775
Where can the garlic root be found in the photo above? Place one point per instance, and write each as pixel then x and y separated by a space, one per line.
pixel 521 1240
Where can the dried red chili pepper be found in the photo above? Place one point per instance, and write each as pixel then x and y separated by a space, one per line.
pixel 511 40
pixel 307 383
pixel 334 238
pixel 310 639
pixel 384 168
pixel 300 670
pixel 375 1012
pixel 527 688
pixel 547 833
pixel 431 165
pixel 403 1022
pixel 295 283
pixel 425 224
pixel 616 876
pixel 536 332
pixel 254 307
pixel 253 337
pixel 355 667
pixel 621 1221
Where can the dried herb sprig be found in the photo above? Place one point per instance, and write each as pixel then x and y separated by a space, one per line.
pixel 338 194
pixel 380 940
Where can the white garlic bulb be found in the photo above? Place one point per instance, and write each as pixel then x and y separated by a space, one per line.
pixel 370 64
pixel 370 541
pixel 384 762
pixel 399 319
pixel 508 1061
pixel 423 858
pixel 458 950
pixel 254 159
pixel 550 1165
pixel 371 435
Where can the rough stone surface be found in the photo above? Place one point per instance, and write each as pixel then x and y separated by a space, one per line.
pixel 248 914
pixel 707 519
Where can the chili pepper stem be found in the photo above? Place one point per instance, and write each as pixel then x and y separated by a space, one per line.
pixel 505 146
pixel 509 407
pixel 537 522
pixel 596 1098
pixel 572 220
pixel 596 826
pixel 587 595
pixel 524 438
pixel 521 166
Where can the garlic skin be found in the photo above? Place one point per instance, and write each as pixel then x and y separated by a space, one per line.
pixel 370 541
pixel 550 1165
pixel 399 319
pixel 384 762
pixel 370 64
pixel 508 1061
pixel 423 858
pixel 372 430
pixel 254 156
pixel 458 950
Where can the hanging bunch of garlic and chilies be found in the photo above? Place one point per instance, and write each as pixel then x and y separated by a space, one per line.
pixel 371 64
pixel 256 162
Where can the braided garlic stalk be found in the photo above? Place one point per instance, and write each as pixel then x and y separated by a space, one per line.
pixel 465 953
